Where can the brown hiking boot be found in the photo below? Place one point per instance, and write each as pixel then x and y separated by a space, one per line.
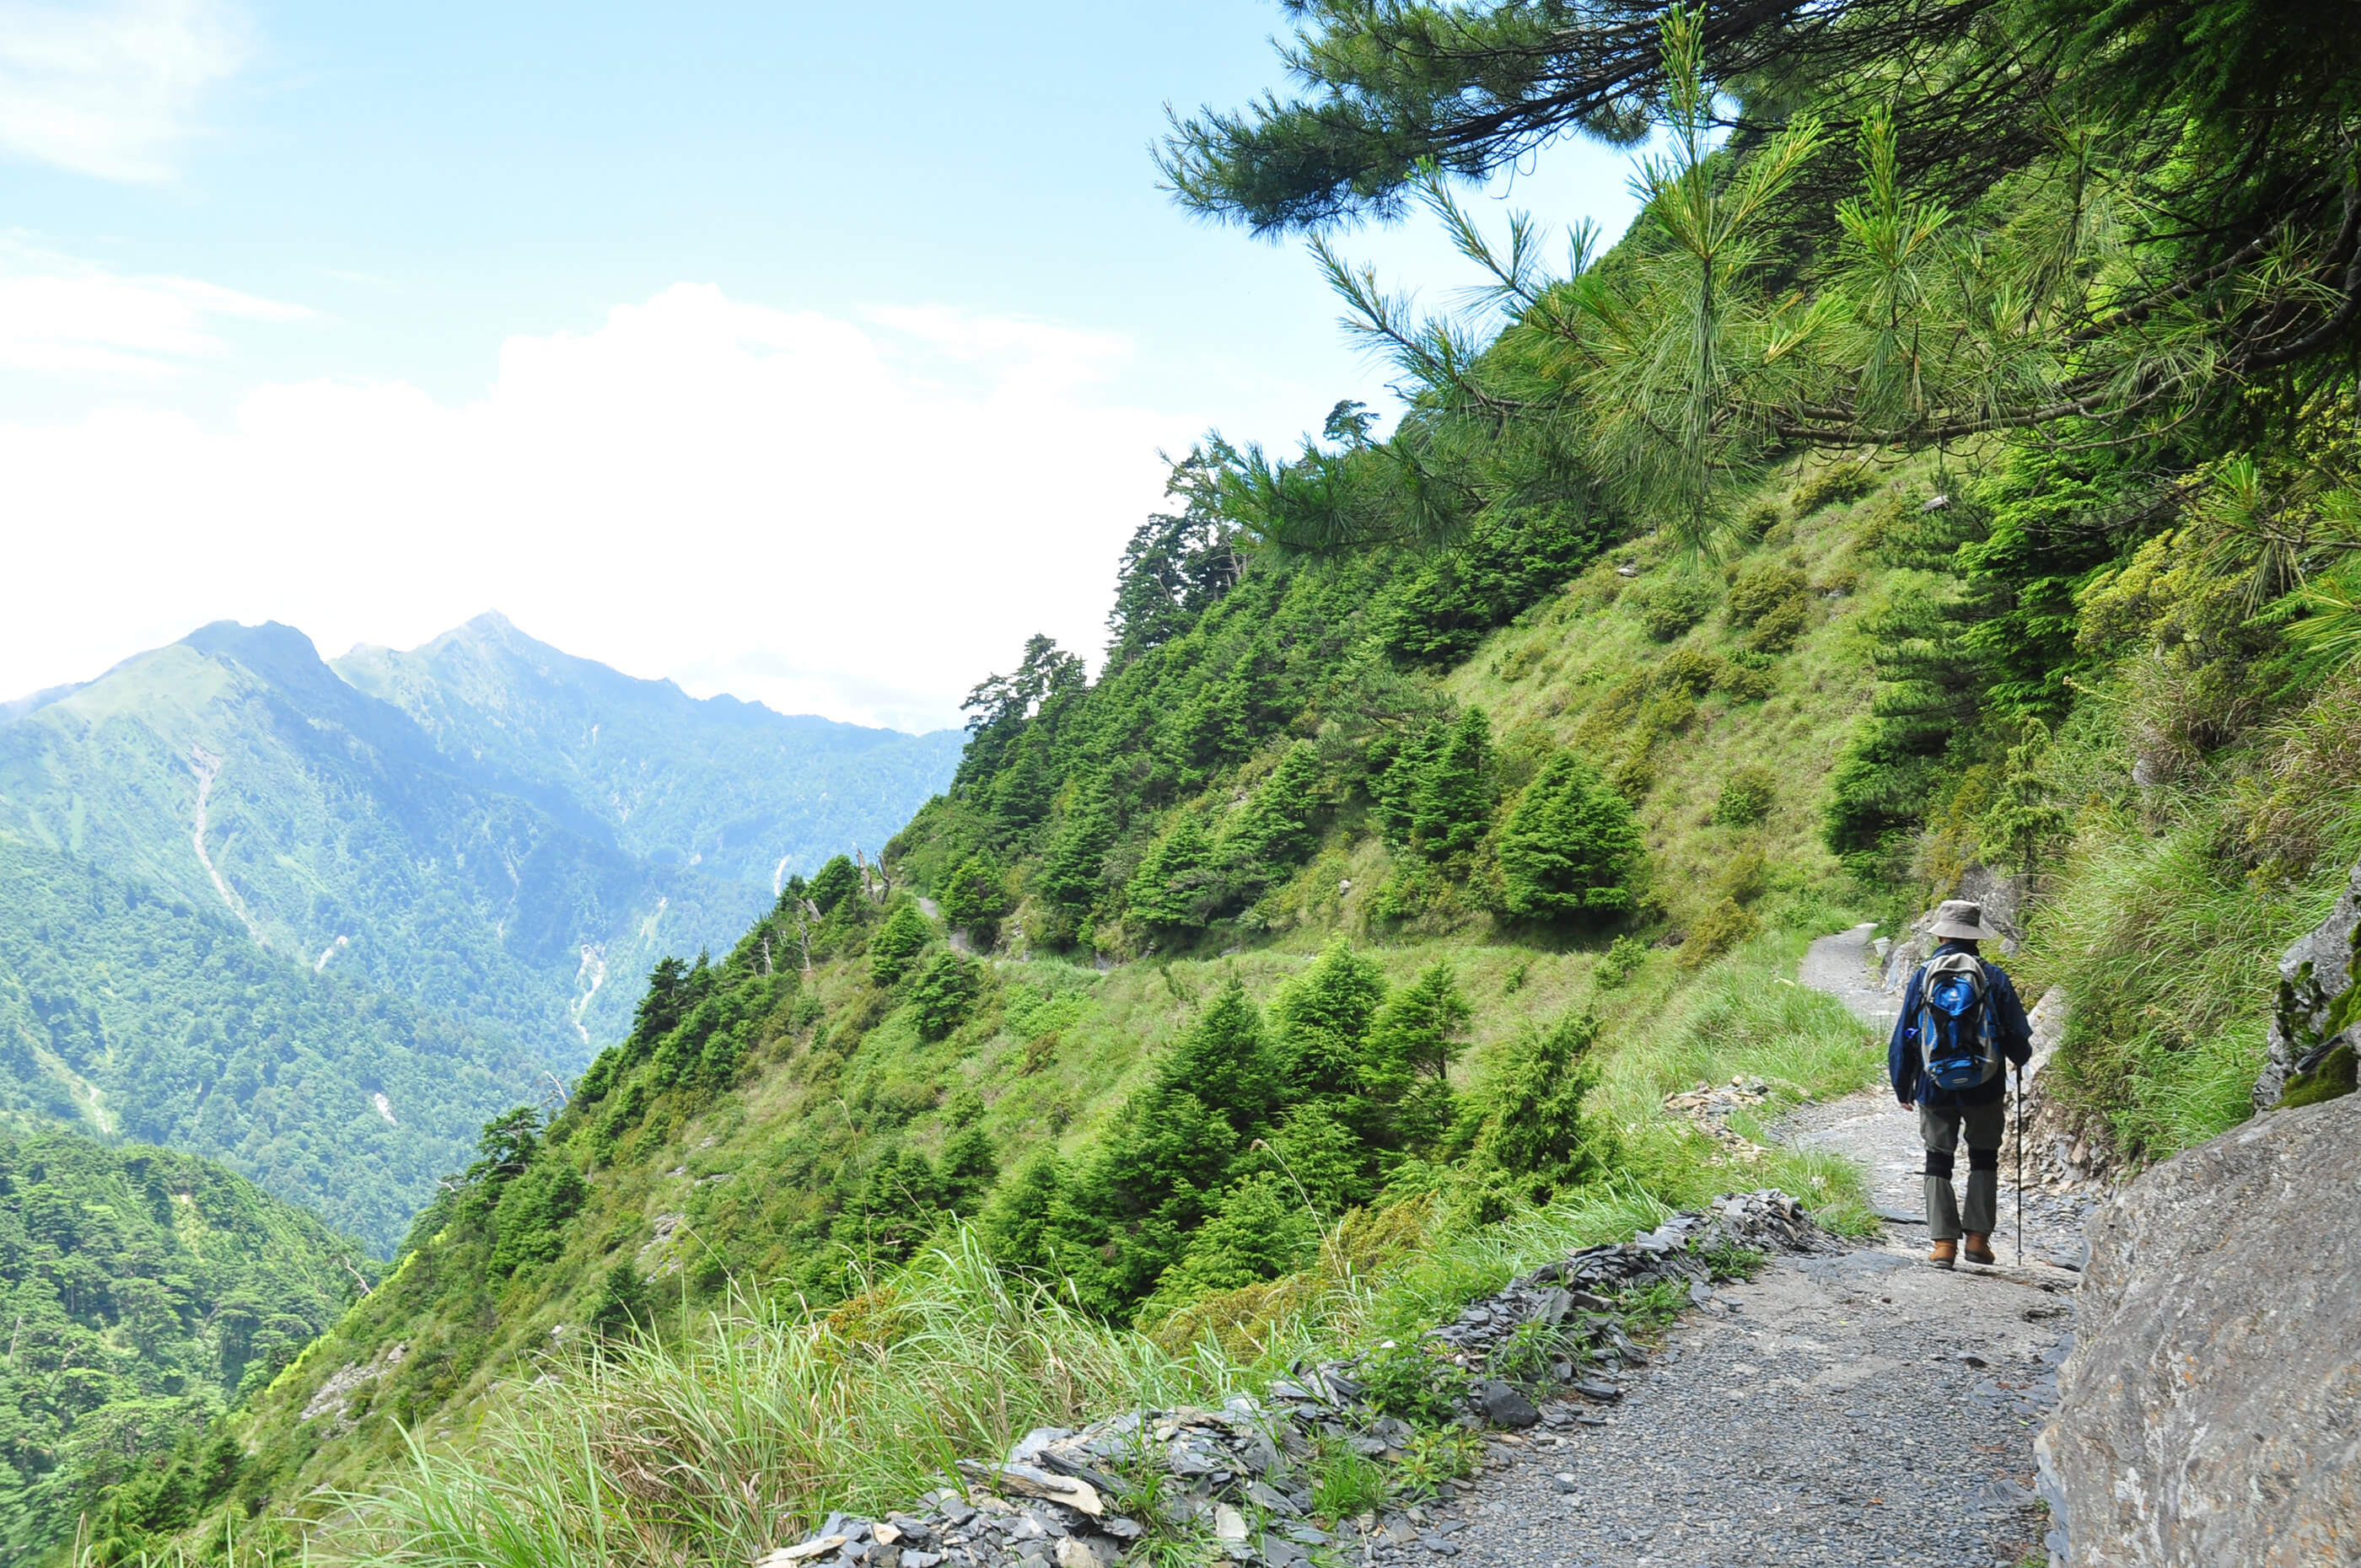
pixel 1979 1249
pixel 1943 1255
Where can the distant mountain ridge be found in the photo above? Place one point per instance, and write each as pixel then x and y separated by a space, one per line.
pixel 731 786
pixel 253 909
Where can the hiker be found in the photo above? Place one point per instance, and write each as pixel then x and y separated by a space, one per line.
pixel 1961 1021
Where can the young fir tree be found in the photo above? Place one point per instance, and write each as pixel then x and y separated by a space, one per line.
pixel 1073 867
pixel 1451 805
pixel 976 897
pixel 1412 1044
pixel 1125 1216
pixel 1323 1019
pixel 1172 887
pixel 899 1203
pixel 1571 846
pixel 1260 1233
pixel 897 945
pixel 833 883
pixel 967 1169
pixel 943 995
pixel 1227 1061
pixel 1017 1225
pixel 1533 1135
pixel 1277 831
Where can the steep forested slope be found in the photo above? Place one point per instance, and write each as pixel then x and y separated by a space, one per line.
pixel 129 1012
pixel 144 1289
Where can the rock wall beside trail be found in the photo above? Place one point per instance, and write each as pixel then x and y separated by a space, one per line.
pixel 2002 898
pixel 2065 1148
pixel 2312 1022
pixel 2211 1412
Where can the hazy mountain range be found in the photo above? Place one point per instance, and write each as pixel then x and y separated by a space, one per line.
pixel 320 920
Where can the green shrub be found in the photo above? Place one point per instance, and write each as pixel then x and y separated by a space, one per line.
pixel 1761 587
pixel 1688 670
pixel 1846 482
pixel 1571 846
pixel 897 944
pixel 1746 796
pixel 1412 1381
pixel 1780 626
pixel 1744 680
pixel 976 897
pixel 1623 955
pixel 1673 604
pixel 943 995
pixel 1720 928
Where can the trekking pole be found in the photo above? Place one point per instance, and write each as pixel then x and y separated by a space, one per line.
pixel 2020 1166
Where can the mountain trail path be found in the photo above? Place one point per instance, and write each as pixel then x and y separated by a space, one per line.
pixel 1845 1409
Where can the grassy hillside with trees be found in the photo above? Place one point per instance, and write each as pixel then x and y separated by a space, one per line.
pixel 1925 482
pixel 147 1290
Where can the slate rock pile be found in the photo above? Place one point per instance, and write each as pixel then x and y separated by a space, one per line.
pixel 1710 1106
pixel 1240 1472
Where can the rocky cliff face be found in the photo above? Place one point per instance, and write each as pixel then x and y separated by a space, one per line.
pixel 2211 1413
pixel 2313 1031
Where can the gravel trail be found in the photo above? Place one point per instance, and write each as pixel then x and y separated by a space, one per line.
pixel 1853 1409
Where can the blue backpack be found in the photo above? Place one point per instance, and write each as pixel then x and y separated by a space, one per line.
pixel 1958 1046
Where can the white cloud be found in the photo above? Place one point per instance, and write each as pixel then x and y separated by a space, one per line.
pixel 61 315
pixel 854 518
pixel 110 90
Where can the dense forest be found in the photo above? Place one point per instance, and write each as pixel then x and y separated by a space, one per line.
pixel 146 1291
pixel 1951 472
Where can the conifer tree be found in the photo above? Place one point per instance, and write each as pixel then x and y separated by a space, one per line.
pixel 1172 887
pixel 967 1168
pixel 943 995
pixel 1127 1214
pixel 1017 1225
pixel 1572 845
pixel 832 884
pixel 1260 1233
pixel 1412 1044
pixel 1331 1164
pixel 976 897
pixel 1225 1061
pixel 1533 1132
pixel 1277 831
pixel 1075 860
pixel 1451 807
pixel 1323 1019
pixel 897 944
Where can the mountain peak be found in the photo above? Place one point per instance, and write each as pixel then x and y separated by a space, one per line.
pixel 270 641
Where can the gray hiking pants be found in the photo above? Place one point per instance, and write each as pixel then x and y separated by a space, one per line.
pixel 1940 1130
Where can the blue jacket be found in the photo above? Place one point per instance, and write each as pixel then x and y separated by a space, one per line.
pixel 2008 1022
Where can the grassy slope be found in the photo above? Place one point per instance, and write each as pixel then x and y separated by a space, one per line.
pixel 1068 1043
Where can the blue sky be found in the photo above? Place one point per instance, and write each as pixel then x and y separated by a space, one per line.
pixel 857 328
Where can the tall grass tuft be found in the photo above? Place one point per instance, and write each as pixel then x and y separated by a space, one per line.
pixel 2166 950
pixel 740 1433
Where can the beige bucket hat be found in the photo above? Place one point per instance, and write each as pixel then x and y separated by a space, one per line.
pixel 1957 919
